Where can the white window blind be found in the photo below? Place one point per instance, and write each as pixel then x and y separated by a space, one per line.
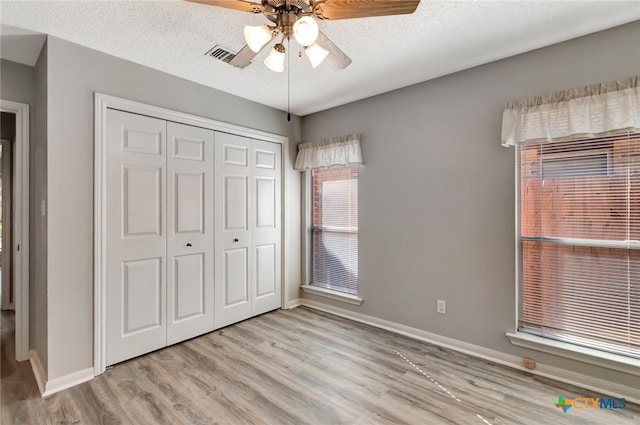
pixel 580 241
pixel 335 228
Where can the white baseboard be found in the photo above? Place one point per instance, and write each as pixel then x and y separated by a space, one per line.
pixel 38 370
pixel 68 381
pixel 48 388
pixel 293 303
pixel 584 381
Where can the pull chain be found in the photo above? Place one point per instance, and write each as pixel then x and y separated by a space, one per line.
pixel 289 80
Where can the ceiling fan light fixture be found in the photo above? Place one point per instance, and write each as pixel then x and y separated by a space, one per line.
pixel 257 37
pixel 275 60
pixel 316 54
pixel 305 31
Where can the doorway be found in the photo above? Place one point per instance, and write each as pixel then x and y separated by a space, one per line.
pixel 7 138
pixel 15 220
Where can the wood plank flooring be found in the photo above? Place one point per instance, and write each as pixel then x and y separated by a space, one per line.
pixel 298 367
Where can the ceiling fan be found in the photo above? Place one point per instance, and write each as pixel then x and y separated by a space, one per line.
pixel 297 18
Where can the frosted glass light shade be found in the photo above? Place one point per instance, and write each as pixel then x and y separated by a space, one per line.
pixel 275 60
pixel 257 37
pixel 305 30
pixel 316 54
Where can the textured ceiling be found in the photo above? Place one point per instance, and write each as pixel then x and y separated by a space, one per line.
pixel 441 37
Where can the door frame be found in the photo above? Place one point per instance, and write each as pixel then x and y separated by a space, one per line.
pixel 103 102
pixel 20 248
pixel 5 300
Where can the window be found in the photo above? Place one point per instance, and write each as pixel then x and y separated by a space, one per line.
pixel 575 164
pixel 579 242
pixel 334 230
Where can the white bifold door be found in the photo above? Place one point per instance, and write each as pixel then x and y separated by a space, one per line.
pixel 189 232
pixel 159 234
pixel 248 228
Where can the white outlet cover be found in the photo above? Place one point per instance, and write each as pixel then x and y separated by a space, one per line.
pixel 441 306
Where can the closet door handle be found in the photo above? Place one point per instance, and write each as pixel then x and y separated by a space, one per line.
pixel 189 244
pixel 236 240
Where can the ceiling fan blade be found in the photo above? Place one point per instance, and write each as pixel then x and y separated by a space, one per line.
pixel 245 55
pixel 336 58
pixel 242 5
pixel 347 9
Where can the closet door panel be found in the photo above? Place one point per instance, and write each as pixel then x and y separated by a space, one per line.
pixel 234 207
pixel 190 228
pixel 266 202
pixel 266 270
pixel 142 295
pixel 189 190
pixel 266 227
pixel 235 199
pixel 136 240
pixel 236 277
pixel 190 290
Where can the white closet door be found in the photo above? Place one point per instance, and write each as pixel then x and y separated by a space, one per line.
pixel 190 212
pixel 136 240
pixel 233 237
pixel 248 230
pixel 266 227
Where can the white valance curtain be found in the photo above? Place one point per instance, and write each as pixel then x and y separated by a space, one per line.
pixel 341 150
pixel 599 109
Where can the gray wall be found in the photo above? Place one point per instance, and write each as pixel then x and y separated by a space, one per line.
pixel 38 297
pixel 17 82
pixel 75 73
pixel 436 192
pixel 26 84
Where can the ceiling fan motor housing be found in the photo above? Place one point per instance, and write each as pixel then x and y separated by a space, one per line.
pixel 285 13
pixel 286 21
pixel 303 5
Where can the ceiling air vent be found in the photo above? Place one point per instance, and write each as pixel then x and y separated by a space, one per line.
pixel 221 53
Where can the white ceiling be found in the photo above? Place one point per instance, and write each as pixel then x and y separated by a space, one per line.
pixel 441 37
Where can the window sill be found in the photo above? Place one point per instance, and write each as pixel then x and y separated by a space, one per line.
pixel 576 352
pixel 334 295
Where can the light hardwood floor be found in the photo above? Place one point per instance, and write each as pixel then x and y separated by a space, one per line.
pixel 297 367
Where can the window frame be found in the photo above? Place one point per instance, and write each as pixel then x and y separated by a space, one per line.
pixel 307 251
pixel 564 349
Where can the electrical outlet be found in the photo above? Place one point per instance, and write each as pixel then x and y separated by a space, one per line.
pixel 529 363
pixel 441 307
